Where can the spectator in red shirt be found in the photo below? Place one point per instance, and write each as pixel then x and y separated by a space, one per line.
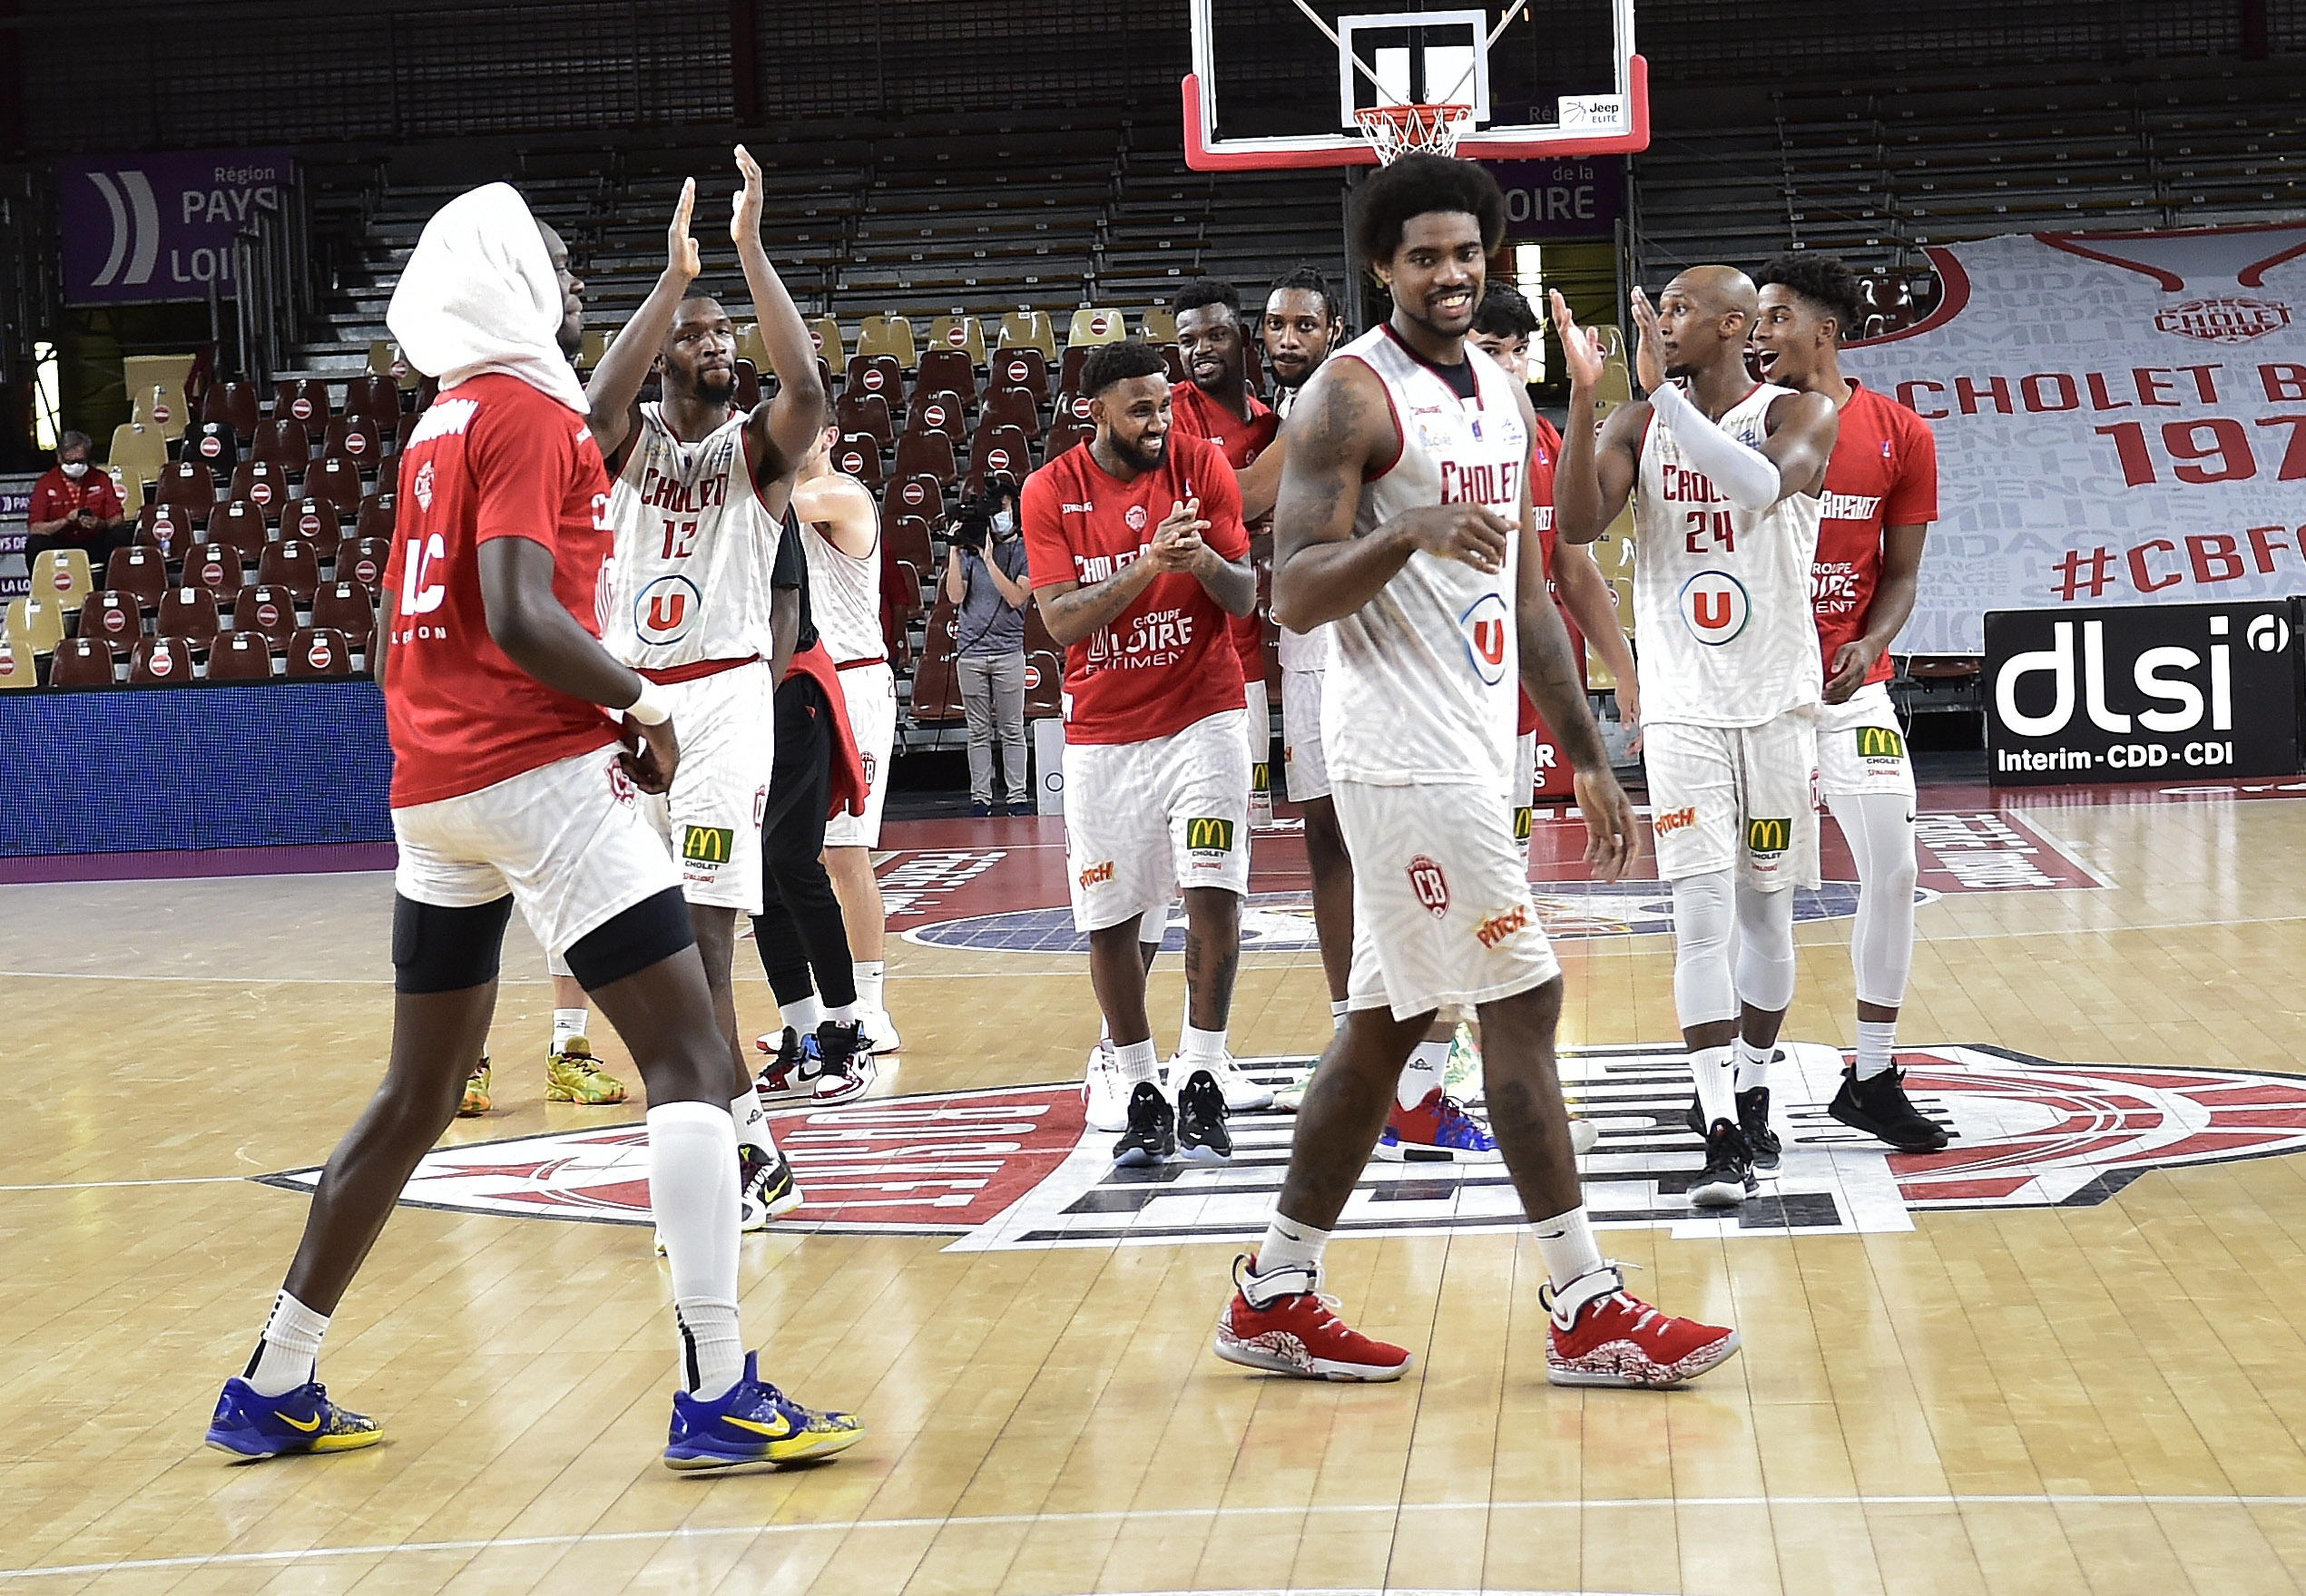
pixel 76 507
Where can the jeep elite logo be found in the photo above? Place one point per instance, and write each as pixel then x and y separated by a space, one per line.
pixel 2225 322
pixel 1208 834
pixel 1430 884
pixel 1767 837
pixel 1497 928
pixel 707 845
pixel 1879 742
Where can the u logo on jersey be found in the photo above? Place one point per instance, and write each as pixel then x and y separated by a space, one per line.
pixel 1484 625
pixel 665 611
pixel 1714 607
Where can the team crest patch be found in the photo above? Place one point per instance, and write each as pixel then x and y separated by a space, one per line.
pixel 1016 1169
pixel 707 845
pixel 1430 884
pixel 1209 834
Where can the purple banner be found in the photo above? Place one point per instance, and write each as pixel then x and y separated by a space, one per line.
pixel 138 229
pixel 1570 196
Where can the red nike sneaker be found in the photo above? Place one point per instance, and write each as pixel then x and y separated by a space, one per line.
pixel 1300 1334
pixel 1603 1336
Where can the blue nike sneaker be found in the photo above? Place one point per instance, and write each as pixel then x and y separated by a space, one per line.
pixel 753 1423
pixel 248 1424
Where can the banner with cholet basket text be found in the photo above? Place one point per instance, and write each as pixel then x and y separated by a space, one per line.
pixel 2121 420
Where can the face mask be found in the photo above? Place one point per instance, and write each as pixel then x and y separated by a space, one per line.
pixel 1003 523
pixel 75 469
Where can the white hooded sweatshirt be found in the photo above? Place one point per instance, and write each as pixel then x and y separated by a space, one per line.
pixel 479 294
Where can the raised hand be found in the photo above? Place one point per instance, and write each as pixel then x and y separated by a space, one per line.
pixel 681 256
pixel 1580 349
pixel 744 205
pixel 1649 366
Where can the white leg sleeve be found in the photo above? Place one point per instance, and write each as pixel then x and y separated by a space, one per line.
pixel 1704 991
pixel 1880 827
pixel 1765 947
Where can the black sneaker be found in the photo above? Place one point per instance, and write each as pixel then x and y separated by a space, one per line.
pixel 789 1074
pixel 766 1186
pixel 1200 1120
pixel 1728 1178
pixel 844 1063
pixel 1880 1108
pixel 1151 1136
pixel 1695 1118
pixel 1753 1121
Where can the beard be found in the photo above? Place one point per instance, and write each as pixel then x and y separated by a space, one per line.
pixel 1140 456
pixel 718 388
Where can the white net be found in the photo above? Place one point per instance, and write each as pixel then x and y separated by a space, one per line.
pixel 1396 131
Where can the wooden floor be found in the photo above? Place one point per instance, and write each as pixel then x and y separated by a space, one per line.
pixel 2106 1394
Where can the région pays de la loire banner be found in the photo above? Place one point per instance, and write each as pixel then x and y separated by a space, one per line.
pixel 2121 420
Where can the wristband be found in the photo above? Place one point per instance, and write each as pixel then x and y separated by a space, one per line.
pixel 648 709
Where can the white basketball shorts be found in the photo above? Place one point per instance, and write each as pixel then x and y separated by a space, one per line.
pixel 1302 755
pixel 1442 914
pixel 1143 818
pixel 869 694
pixel 726 724
pixel 566 839
pixel 1728 796
pixel 1257 733
pixel 1861 748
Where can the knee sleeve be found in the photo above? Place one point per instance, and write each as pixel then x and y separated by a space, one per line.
pixel 652 930
pixel 445 950
pixel 1879 828
pixel 1765 948
pixel 1704 991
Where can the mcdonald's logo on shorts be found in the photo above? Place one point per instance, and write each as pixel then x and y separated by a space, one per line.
pixel 1208 834
pixel 1523 823
pixel 1881 743
pixel 707 845
pixel 1767 837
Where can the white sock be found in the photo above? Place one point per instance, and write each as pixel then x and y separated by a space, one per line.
pixel 568 1023
pixel 692 1190
pixel 1137 1061
pixel 1423 1075
pixel 289 1348
pixel 1566 1241
pixel 1877 1047
pixel 1338 1011
pixel 1715 1069
pixel 752 1123
pixel 1289 1262
pixel 1202 1050
pixel 846 1014
pixel 871 983
pixel 1753 1065
pixel 803 1014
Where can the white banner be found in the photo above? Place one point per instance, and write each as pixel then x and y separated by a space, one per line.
pixel 2121 418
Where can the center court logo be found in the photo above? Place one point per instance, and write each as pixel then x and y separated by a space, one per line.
pixel 1016 1169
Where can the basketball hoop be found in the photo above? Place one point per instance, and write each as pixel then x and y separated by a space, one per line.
pixel 1395 131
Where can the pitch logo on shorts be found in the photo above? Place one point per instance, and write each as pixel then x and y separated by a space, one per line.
pixel 1208 834
pixel 707 845
pixel 1096 875
pixel 1431 886
pixel 1768 836
pixel 1672 820
pixel 1497 928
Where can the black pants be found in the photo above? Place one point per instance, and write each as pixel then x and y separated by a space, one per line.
pixel 799 930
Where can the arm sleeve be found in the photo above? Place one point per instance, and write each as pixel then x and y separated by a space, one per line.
pixel 1220 506
pixel 1747 476
pixel 1913 499
pixel 522 464
pixel 1048 558
pixel 789 570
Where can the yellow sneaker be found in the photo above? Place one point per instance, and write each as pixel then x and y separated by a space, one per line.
pixel 477 1099
pixel 571 1076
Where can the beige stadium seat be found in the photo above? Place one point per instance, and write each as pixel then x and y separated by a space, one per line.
pixel 824 331
pixel 161 409
pixel 1094 326
pixel 888 335
pixel 37 623
pixel 965 333
pixel 749 346
pixel 138 455
pixel 597 340
pixel 1158 326
pixel 1029 330
pixel 16 666
pixel 62 575
pixel 380 357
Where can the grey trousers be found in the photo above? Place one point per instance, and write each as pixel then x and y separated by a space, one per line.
pixel 993 697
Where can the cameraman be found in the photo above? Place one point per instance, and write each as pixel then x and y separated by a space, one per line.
pixel 984 578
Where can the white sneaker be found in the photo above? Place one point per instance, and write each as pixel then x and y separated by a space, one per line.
pixel 1242 1095
pixel 1105 1094
pixel 1583 1135
pixel 880 1031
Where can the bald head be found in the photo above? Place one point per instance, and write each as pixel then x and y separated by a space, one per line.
pixel 1717 290
pixel 1705 315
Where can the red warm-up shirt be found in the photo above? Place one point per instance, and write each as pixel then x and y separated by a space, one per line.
pixel 56 495
pixel 1165 662
pixel 1883 471
pixel 493 457
pixel 1240 441
pixel 1545 459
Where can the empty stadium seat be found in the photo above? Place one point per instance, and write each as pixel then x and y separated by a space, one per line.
pixel 960 334
pixel 188 487
pixel 906 537
pixel 17 666
pixel 240 525
pixel 139 573
pixel 1092 326
pixel 937 687
pixel 1044 685
pixel 356 438
pixel 137 456
pixel 937 410
pixel 948 368
pixel 1069 370
pixel 383 356
pixel 376 396
pixel 83 662
pixel 917 496
pixel 337 479
pixel 346 607
pixel 264 483
pixel 875 374
pixel 164 527
pixel 1021 367
pixel 1011 408
pixel 268 612
pixel 378 513
pixel 888 335
pixel 189 613
pixel 1028 329
pixel 284 442
pixel 294 564
pixel 234 403
pixel 1172 361
pixel 302 399
pixel 824 331
pixel 860 455
pixel 1063 433
pixel 1158 326
pixel 167 660
pixel 929 452
pixel 900 606
pixel 216 567
pixel 748 385
pixel 62 576
pixel 319 651
pixel 214 446
pixel 866 412
pixel 363 559
pixel 313 520
pixel 999 450
pixel 37 624
pixel 163 411
pixel 115 617
pixel 240 656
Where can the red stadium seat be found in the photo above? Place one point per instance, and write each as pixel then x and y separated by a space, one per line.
pixel 356 438
pixel 866 412
pixel 876 373
pixel 240 656
pixel 268 612
pixel 900 605
pixel 1011 408
pixel 408 424
pixel 947 368
pixel 937 687
pixel 139 573
pixel 938 410
pixel 313 520
pixel 303 399
pixel 165 660
pixel 114 616
pixel 1044 684
pixel 1253 366
pixel 925 452
pixel 376 516
pixel 748 385
pixel 916 495
pixel 263 484
pixel 233 402
pixel 186 486
pixel 373 395
pixel 1063 433
pixel 860 455
pixel 318 650
pixel 214 446
pixel 363 559
pixel 1000 450
pixel 239 524
pixel 1069 370
pixel 284 443
pixel 336 478
pixel 346 607
pixel 217 568
pixel 164 527
pixel 906 538
pixel 189 613
pixel 83 662
pixel 294 564
pixel 1019 367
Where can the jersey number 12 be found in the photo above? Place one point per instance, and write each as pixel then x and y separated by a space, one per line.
pixel 679 537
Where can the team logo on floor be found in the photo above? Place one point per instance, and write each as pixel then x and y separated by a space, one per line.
pixel 1017 1167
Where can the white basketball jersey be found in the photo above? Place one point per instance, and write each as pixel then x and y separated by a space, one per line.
pixel 1721 595
pixel 1425 682
pixel 695 550
pixel 845 597
pixel 1302 650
